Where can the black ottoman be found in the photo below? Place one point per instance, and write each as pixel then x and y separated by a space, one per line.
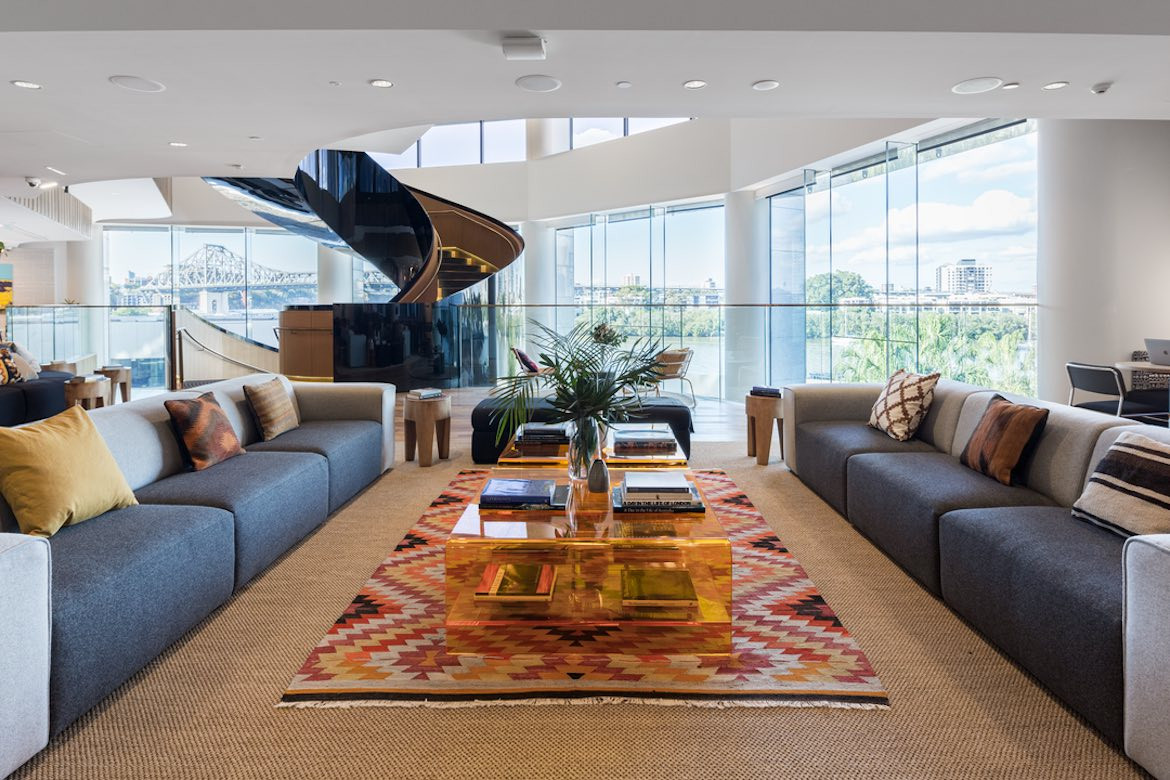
pixel 484 448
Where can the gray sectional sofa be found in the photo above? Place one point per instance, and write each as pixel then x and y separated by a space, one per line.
pixel 126 585
pixel 1079 607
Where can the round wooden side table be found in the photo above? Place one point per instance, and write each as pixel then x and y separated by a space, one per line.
pixel 119 377
pixel 424 420
pixel 90 395
pixel 761 411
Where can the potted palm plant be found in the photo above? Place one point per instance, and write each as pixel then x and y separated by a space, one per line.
pixel 590 383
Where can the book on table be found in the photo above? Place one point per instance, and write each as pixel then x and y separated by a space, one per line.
pixel 655 482
pixel 664 585
pixel 766 392
pixel 517 582
pixel 643 439
pixel 517 493
pixel 425 393
pixel 543 433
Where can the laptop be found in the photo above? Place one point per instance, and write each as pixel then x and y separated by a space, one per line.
pixel 1159 350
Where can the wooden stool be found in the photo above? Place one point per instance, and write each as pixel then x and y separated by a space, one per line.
pixel 761 411
pixel 119 377
pixel 91 395
pixel 422 420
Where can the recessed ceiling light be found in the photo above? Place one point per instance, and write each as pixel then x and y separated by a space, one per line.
pixel 255 138
pixel 1054 85
pixel 57 171
pixel 1011 85
pixel 976 85
pixel 623 85
pixel 48 185
pixel 694 84
pixel 25 84
pixel 237 166
pixel 178 144
pixel 137 84
pixel 335 83
pixel 765 85
pixel 381 83
pixel 538 83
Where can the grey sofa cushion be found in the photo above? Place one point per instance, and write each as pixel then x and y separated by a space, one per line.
pixel 825 448
pixel 352 447
pixel 1061 457
pixel 276 498
pixel 126 585
pixel 1047 589
pixel 938 427
pixel 897 499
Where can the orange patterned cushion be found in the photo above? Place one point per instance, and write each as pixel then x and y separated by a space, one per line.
pixel 903 405
pixel 1004 435
pixel 9 373
pixel 204 430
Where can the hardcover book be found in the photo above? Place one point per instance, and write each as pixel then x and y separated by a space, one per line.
pixel 658 586
pixel 517 492
pixel 656 482
pixel 517 582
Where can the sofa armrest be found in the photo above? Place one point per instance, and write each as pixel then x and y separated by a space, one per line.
pixel 26 623
pixel 350 401
pixel 811 403
pixel 1145 637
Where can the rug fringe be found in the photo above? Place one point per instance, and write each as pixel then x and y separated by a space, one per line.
pixel 720 704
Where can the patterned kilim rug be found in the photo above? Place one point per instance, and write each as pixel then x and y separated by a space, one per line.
pixel 388 649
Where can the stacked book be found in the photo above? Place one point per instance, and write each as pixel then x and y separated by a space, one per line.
pixel 642 440
pixel 543 433
pixel 425 393
pixel 767 392
pixel 656 491
pixel 523 494
pixel 85 379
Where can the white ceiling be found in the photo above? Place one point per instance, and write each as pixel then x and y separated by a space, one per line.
pixel 224 86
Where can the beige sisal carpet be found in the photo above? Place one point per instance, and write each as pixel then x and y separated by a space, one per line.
pixel 206 708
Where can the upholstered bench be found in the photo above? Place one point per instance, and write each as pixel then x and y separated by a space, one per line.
pixel 485 449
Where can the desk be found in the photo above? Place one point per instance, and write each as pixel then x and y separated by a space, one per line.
pixel 1142 365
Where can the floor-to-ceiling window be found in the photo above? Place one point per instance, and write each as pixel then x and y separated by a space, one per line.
pixel 238 278
pixel 922 256
pixel 655 272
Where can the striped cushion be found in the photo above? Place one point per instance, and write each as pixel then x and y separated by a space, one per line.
pixel 903 405
pixel 272 408
pixel 1005 434
pixel 204 431
pixel 1129 492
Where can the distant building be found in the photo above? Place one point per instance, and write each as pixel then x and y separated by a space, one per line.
pixel 631 280
pixel 963 278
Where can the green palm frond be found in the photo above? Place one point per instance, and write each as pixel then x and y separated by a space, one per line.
pixel 585 379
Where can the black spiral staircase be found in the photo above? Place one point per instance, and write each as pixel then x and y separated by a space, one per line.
pixel 429 247
pixel 436 253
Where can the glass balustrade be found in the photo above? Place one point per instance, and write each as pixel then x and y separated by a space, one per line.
pixel 734 347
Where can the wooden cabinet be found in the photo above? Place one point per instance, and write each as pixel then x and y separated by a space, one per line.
pixel 306 343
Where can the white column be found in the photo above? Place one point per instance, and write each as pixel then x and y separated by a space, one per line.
pixel 1104 243
pixel 540 273
pixel 545 136
pixel 334 276
pixel 746 280
pixel 85 277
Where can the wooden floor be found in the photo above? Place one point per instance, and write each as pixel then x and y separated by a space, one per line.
pixel 714 420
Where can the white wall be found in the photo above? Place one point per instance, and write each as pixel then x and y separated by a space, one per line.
pixel 38 273
pixel 1104 241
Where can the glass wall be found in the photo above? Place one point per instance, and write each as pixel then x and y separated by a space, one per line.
pixel 239 278
pixel 653 273
pixel 920 257
pixel 505 140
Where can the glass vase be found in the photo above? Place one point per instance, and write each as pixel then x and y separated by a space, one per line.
pixel 584 448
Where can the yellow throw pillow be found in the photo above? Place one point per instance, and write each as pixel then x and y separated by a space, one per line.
pixel 59 472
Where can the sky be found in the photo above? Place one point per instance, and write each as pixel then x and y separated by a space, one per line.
pixel 979 203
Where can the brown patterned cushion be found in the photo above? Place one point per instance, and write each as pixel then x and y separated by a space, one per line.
pixel 1005 434
pixel 1129 492
pixel 272 408
pixel 9 373
pixel 903 405
pixel 204 431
